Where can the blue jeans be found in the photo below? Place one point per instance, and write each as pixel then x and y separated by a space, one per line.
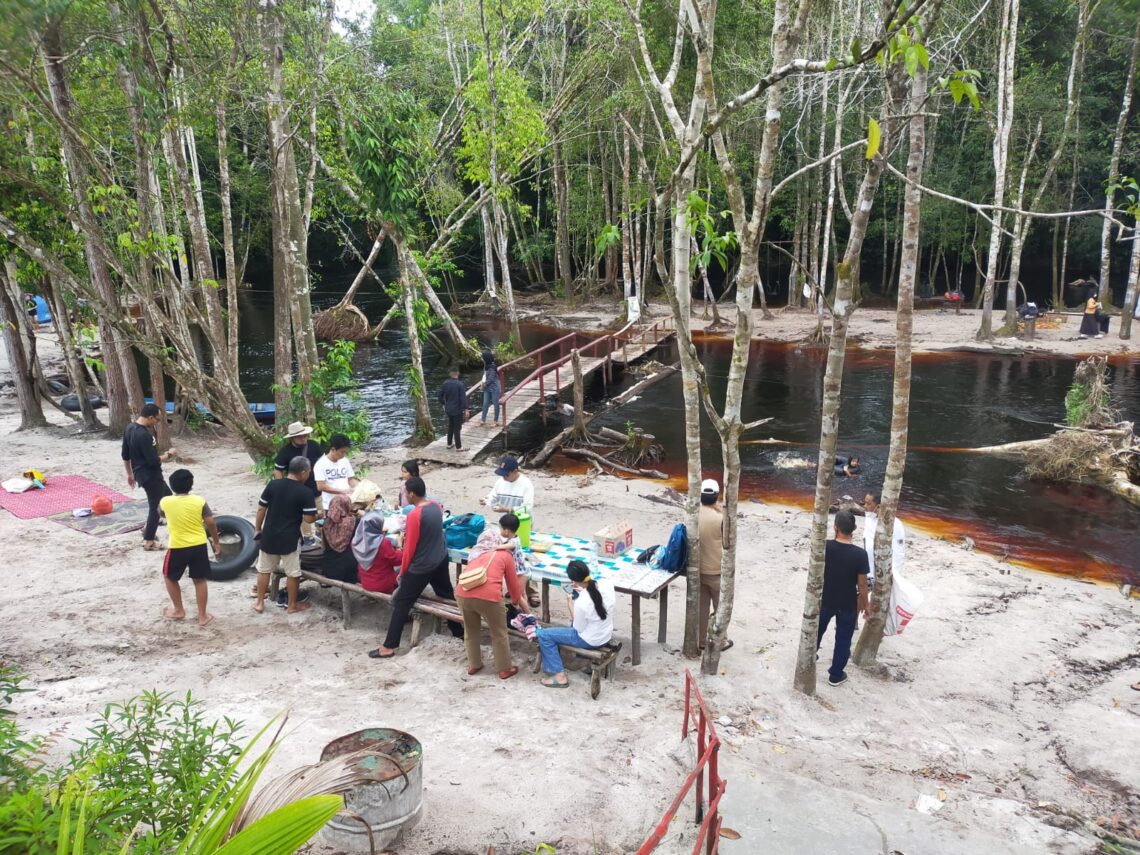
pixel 548 640
pixel 491 393
pixel 844 628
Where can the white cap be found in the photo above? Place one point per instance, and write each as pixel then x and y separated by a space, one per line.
pixel 710 486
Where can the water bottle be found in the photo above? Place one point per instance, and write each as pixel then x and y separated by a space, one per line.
pixel 524 526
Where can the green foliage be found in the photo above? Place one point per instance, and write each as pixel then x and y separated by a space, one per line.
pixel 962 84
pixel 389 147
pixel 512 128
pixel 336 397
pixel 713 245
pixel 874 137
pixel 1084 405
pixel 166 754
pixel 507 349
pixel 609 236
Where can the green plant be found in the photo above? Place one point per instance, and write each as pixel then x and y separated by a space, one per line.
pixel 166 754
pixel 507 349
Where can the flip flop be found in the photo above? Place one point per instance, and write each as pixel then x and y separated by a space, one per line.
pixel 209 620
pixel 151 546
pixel 1136 687
pixel 171 617
pixel 535 601
pixel 470 671
pixel 551 683
pixel 727 645
pixel 506 675
pixel 376 654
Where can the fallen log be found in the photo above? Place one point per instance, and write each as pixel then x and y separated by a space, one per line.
pixel 1013 449
pixel 543 455
pixel 586 454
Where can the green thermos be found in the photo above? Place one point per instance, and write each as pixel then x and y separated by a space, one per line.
pixel 524 526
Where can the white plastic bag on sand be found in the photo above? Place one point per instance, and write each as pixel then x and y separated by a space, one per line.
pixel 17 485
pixel 905 600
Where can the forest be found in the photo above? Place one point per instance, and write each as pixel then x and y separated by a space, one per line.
pixel 161 156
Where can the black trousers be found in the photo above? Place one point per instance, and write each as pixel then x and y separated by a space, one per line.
pixel 411 586
pixel 155 490
pixel 454 425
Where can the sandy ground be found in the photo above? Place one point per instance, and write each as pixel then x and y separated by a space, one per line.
pixel 1008 696
pixel 870 328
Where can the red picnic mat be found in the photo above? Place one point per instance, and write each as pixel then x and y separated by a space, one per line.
pixel 60 493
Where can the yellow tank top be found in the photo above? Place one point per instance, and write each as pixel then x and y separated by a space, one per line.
pixel 184 520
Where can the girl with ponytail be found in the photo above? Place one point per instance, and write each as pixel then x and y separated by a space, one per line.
pixel 592 623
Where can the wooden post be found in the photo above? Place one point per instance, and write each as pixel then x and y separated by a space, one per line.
pixel 636 621
pixel 579 396
pixel 546 601
pixel 345 606
pixel 1030 328
pixel 663 615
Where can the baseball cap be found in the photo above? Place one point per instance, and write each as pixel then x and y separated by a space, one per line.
pixel 710 486
pixel 510 464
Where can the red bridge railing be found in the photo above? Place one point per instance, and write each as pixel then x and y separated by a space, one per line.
pixel 708 748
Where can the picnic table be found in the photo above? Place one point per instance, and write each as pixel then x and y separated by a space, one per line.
pixel 639 580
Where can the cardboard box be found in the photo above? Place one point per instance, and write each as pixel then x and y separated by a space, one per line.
pixel 614 539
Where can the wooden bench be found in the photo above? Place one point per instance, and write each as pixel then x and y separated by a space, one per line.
pixel 601 659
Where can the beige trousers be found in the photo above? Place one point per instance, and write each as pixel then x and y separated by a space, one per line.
pixel 307 527
pixel 476 612
pixel 710 599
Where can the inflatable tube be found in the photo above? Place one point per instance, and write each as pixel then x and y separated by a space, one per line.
pixel 71 402
pixel 57 387
pixel 246 555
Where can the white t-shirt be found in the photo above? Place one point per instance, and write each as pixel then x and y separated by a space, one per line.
pixel 898 547
pixel 512 494
pixel 594 630
pixel 334 474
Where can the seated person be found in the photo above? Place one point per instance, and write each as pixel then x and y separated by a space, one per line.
pixel 592 623
pixel 376 556
pixel 338 562
pixel 847 467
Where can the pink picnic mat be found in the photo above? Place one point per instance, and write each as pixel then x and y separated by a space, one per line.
pixel 61 493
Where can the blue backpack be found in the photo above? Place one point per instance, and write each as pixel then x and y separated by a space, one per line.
pixel 462 531
pixel 674 556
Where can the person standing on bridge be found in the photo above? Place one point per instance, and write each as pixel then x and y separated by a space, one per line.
pixel 491 388
pixel 453 396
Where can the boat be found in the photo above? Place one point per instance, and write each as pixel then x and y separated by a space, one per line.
pixel 263 413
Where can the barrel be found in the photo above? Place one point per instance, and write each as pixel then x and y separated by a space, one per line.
pixel 388 805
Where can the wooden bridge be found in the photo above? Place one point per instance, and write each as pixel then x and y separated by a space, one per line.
pixel 553 373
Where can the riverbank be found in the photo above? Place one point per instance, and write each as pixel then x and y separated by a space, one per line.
pixel 1003 712
pixel 934 331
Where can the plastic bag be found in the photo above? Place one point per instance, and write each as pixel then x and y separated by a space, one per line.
pixel 17 485
pixel 905 600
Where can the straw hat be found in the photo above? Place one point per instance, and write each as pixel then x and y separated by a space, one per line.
pixel 297 429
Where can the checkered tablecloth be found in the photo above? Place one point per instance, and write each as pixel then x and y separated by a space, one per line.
pixel 622 571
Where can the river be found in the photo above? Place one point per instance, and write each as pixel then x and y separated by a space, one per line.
pixel 957 401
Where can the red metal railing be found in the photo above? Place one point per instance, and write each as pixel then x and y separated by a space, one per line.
pixel 600 347
pixel 708 749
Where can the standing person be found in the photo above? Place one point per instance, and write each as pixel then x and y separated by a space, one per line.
pixel 143 465
pixel 188 519
pixel 333 472
pixel 512 491
pixel 591 618
pixel 870 524
pixel 491 388
pixel 483 603
pixel 453 396
pixel 299 443
pixel 423 563
pixel 844 593
pixel 283 506
pixel 710 528
pixel 408 469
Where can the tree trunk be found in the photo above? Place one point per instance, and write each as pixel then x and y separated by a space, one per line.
pixel 71 360
pixel 505 269
pixel 1132 294
pixel 579 396
pixel 282 318
pixel 867 648
pixel 121 373
pixel 425 430
pixel 489 288
pixel 19 361
pixel 1114 169
pixel 232 273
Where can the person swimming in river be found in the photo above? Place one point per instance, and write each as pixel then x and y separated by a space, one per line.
pixel 847 467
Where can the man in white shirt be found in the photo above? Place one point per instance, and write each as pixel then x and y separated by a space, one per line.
pixel 513 489
pixel 334 471
pixel 870 524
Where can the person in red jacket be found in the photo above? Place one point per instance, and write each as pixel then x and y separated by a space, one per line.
pixel 375 555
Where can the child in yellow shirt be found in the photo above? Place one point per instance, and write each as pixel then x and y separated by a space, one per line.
pixel 188 519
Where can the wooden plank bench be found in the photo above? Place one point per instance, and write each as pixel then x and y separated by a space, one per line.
pixel 601 660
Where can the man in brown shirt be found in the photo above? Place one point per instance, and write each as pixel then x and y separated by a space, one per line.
pixel 710 522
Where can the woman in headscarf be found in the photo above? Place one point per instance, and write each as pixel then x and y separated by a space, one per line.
pixel 491 388
pixel 375 555
pixel 340 524
pixel 1090 323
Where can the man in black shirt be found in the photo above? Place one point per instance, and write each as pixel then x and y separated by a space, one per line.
pixel 298 444
pixel 143 464
pixel 453 396
pixel 844 593
pixel 285 503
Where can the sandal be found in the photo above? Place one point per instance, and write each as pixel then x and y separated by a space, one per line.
pixel 470 671
pixel 378 654
pixel 506 675
pixel 151 546
pixel 551 683
pixel 534 600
